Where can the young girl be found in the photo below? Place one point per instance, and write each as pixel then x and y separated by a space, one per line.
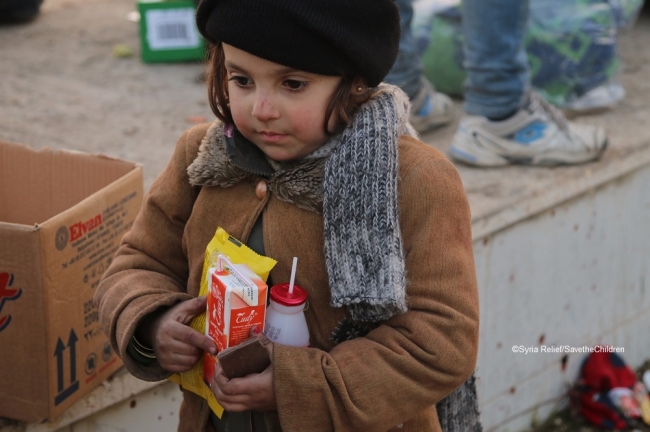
pixel 311 156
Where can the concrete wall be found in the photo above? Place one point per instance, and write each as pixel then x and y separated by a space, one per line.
pixel 577 274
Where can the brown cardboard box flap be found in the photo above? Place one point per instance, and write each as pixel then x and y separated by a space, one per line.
pixel 62 217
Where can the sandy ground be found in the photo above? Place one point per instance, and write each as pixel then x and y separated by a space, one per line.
pixel 62 86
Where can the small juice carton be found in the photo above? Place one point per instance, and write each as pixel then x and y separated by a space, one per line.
pixel 236 303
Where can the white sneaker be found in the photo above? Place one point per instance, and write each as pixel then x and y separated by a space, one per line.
pixel 430 109
pixel 537 134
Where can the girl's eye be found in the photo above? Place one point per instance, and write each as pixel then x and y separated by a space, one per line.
pixel 240 81
pixel 295 85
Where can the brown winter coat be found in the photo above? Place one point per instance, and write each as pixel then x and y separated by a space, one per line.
pixel 394 375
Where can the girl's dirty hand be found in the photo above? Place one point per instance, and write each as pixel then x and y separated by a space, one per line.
pixel 177 345
pixel 252 392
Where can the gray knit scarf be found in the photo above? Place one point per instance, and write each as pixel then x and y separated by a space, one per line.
pixel 363 242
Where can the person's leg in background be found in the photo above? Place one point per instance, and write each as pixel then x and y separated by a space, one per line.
pixel 507 122
pixel 495 58
pixel 430 109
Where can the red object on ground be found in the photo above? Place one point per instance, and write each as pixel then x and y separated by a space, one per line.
pixel 601 372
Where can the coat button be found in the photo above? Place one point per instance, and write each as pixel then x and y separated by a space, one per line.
pixel 261 189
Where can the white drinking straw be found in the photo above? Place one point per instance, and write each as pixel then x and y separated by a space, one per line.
pixel 293 274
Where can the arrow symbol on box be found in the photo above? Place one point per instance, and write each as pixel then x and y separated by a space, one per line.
pixel 72 341
pixel 58 353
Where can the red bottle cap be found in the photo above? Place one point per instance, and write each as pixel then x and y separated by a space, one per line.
pixel 280 294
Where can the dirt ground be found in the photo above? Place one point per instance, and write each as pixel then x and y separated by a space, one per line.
pixel 63 87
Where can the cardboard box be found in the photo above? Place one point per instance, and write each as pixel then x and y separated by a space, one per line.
pixel 168 31
pixel 62 215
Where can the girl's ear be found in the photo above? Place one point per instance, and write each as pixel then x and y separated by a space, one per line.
pixel 359 87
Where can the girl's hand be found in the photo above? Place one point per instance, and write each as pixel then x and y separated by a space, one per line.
pixel 252 392
pixel 177 345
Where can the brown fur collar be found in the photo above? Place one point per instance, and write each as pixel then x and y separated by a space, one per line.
pixel 300 183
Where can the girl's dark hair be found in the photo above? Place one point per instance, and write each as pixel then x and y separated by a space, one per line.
pixel 344 103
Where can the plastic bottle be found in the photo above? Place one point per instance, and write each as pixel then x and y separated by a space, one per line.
pixel 285 318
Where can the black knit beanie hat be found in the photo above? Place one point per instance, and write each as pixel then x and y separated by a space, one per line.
pixel 327 37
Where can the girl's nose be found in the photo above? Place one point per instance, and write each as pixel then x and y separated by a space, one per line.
pixel 264 109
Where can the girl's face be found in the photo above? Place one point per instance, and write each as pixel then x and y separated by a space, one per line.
pixel 280 109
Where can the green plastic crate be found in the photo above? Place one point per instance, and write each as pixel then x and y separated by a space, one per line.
pixel 168 31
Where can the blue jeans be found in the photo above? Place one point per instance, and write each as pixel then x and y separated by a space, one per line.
pixel 495 59
pixel 407 70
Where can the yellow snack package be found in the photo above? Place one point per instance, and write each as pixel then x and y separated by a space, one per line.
pixel 238 253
